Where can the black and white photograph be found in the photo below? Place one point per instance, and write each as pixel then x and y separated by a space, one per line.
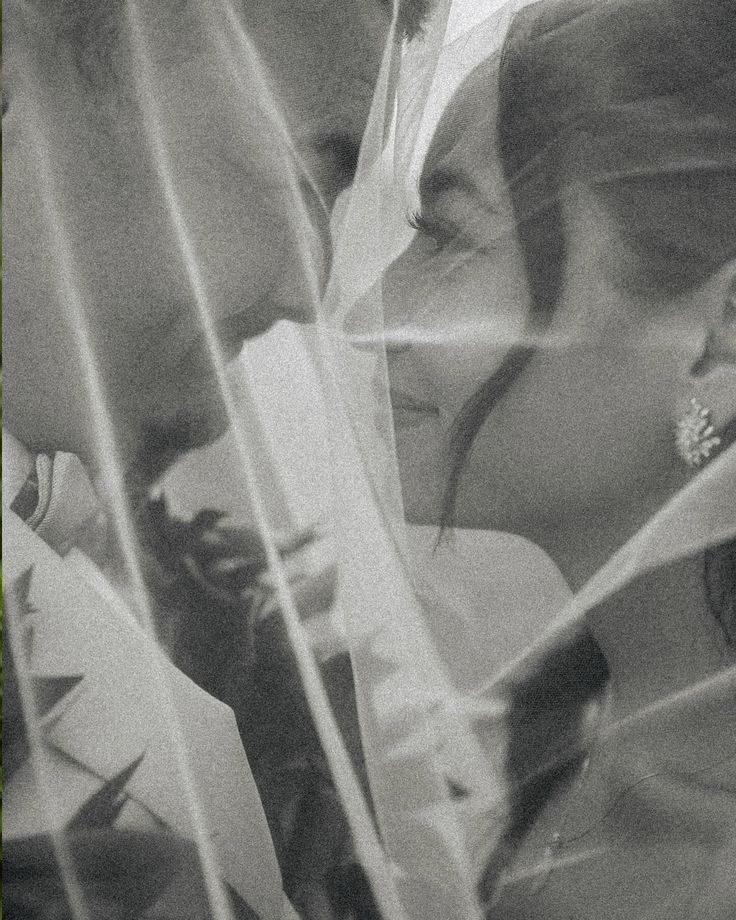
pixel 369 460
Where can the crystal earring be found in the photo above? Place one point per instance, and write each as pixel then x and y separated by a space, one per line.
pixel 696 438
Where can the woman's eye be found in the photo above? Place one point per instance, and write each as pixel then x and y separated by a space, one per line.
pixel 443 234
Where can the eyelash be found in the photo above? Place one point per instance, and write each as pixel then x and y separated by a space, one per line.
pixel 445 234
pixel 440 233
pixel 417 221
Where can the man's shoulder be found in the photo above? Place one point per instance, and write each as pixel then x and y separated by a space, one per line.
pixel 109 703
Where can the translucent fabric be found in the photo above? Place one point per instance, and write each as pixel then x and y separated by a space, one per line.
pixel 123 130
pixel 571 184
pixel 260 401
pixel 158 215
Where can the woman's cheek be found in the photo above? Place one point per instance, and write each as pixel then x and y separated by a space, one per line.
pixel 454 372
pixel 469 333
pixel 461 311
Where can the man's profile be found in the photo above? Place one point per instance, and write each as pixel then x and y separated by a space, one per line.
pixel 94 254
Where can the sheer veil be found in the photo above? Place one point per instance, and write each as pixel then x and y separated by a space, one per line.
pixel 614 142
pixel 311 441
pixel 408 838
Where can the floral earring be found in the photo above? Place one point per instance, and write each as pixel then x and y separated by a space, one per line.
pixel 696 438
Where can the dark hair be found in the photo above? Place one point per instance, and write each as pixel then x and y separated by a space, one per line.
pixel 590 92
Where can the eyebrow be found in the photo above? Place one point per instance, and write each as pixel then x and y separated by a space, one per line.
pixel 442 181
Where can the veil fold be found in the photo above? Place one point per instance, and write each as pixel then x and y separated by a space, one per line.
pixel 597 142
pixel 311 445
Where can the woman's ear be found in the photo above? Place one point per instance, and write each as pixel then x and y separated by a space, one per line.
pixel 712 377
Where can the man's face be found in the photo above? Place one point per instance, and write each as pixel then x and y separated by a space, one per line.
pixel 95 231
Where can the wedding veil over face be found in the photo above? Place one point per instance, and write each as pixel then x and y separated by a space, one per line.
pixel 159 216
pixel 152 193
pixel 171 214
pixel 496 143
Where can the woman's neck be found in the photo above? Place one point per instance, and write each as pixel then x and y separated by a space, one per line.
pixel 660 636
pixel 585 545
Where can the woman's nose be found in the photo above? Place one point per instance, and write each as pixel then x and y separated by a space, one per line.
pixel 376 321
pixel 398 290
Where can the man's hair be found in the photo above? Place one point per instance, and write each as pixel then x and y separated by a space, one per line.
pixel 96 34
pixel 86 29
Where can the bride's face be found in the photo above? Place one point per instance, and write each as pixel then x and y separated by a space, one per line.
pixel 457 297
pixel 585 431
